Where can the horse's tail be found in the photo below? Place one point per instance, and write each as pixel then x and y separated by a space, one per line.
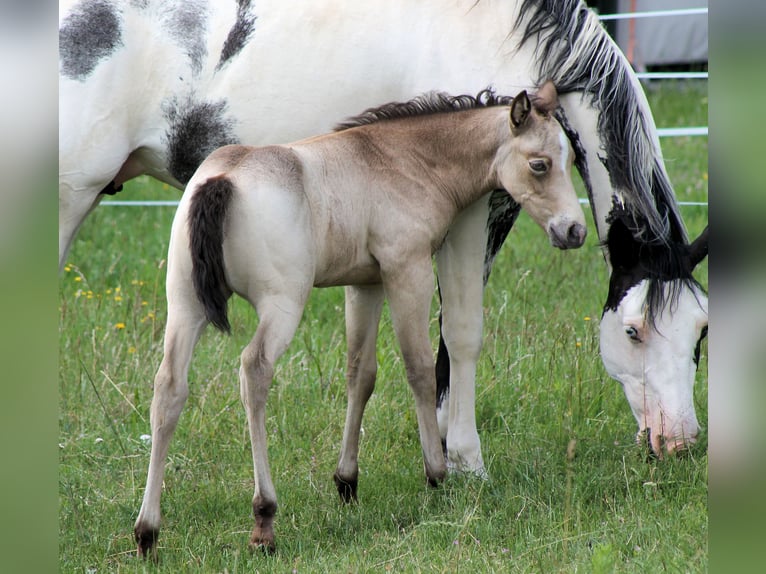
pixel 207 217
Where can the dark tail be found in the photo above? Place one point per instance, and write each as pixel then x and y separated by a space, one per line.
pixel 207 217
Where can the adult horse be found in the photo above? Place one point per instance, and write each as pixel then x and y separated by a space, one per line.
pixel 153 86
pixel 366 207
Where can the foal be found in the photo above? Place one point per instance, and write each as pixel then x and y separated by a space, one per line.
pixel 367 207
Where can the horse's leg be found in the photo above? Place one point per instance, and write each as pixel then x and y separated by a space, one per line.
pixel 184 325
pixel 409 289
pixel 460 262
pixel 74 207
pixel 363 308
pixel 279 318
pixel 77 199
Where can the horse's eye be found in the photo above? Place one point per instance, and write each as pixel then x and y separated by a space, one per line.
pixel 538 166
pixel 632 332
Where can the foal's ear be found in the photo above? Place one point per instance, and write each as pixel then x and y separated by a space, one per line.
pixel 520 108
pixel 698 248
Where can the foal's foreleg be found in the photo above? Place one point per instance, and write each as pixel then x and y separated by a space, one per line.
pixel 363 308
pixel 409 290
pixel 171 389
pixel 279 318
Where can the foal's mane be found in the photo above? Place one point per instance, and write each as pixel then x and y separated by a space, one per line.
pixel 427 104
pixel 575 51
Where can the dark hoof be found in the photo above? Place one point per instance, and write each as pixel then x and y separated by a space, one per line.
pixel 346 488
pixel 265 546
pixel 146 539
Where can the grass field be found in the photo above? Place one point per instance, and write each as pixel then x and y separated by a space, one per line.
pixel 541 385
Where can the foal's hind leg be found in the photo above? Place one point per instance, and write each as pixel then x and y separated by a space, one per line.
pixel 363 307
pixel 184 325
pixel 279 318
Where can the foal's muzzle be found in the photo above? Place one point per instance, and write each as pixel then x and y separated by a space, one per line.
pixel 567 234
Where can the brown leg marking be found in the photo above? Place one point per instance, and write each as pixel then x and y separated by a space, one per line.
pixel 346 488
pixel 263 531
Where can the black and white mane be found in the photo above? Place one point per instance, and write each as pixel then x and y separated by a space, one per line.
pixel 575 51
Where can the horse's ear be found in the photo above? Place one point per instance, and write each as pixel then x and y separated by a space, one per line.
pixel 698 248
pixel 520 108
pixel 547 98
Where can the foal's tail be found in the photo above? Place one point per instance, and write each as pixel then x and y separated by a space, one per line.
pixel 207 217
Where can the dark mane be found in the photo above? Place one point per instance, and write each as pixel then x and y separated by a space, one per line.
pixel 426 104
pixel 574 51
pixel 667 267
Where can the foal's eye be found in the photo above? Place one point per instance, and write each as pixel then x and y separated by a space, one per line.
pixel 538 166
pixel 632 332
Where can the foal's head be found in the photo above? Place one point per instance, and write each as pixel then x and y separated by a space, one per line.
pixel 536 166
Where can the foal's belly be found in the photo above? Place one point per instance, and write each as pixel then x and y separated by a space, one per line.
pixel 349 270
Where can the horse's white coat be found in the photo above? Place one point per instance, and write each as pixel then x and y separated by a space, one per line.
pixel 307 66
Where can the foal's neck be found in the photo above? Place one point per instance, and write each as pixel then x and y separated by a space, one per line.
pixel 458 150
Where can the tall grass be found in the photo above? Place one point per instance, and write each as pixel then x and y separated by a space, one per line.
pixel 569 488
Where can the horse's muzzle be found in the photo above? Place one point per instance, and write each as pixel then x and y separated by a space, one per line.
pixel 567 235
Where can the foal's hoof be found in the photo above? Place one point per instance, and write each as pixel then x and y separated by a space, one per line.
pixel 346 488
pixel 266 546
pixel 146 540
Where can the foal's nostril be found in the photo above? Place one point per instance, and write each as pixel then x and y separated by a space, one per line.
pixel 576 234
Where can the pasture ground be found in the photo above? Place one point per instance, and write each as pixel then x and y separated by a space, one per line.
pixel 541 391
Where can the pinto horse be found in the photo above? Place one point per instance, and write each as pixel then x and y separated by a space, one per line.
pixel 365 207
pixel 153 86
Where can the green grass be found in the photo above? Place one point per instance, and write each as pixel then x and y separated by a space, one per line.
pixel 541 386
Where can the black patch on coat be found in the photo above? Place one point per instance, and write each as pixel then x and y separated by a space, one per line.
pixel 187 25
pixel 90 33
pixel 195 129
pixel 240 33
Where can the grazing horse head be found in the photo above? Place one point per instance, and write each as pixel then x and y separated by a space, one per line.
pixel 538 167
pixel 654 320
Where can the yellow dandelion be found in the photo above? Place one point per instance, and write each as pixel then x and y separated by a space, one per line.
pixel 78 278
pixel 119 326
pixel 117 298
pixel 117 289
pixel 586 318
pixel 109 291
pixel 144 303
pixel 150 315
pixel 131 350
pixel 578 344
pixel 704 176
pixel 67 268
